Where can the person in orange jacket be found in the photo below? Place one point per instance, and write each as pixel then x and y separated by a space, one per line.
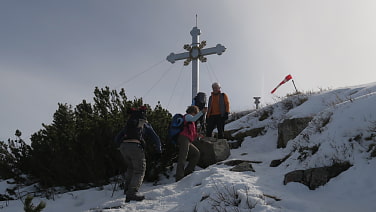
pixel 218 111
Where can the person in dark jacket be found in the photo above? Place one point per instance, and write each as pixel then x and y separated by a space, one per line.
pixel 132 150
pixel 186 149
pixel 218 111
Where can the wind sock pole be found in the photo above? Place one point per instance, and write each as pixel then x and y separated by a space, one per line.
pixel 294 85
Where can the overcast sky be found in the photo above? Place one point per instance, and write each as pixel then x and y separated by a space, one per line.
pixel 58 51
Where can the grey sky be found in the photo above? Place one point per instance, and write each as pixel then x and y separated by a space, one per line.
pixel 58 51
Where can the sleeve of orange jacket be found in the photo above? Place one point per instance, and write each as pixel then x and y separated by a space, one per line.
pixel 227 103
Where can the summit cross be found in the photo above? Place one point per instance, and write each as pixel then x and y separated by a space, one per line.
pixel 195 52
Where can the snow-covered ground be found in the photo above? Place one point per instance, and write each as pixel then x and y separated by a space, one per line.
pixel 339 116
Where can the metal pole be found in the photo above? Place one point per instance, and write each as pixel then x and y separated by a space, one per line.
pixel 294 85
pixel 195 67
pixel 257 101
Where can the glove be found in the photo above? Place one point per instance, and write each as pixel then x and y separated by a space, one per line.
pixel 157 156
pixel 225 117
pixel 200 136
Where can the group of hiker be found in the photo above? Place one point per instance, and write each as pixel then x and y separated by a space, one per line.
pixel 137 127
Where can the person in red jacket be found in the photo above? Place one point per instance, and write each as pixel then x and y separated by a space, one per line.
pixel 218 111
pixel 186 149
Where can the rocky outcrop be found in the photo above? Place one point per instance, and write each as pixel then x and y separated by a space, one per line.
pixel 290 128
pixel 243 167
pixel 237 162
pixel 315 177
pixel 278 162
pixel 239 137
pixel 240 165
pixel 212 150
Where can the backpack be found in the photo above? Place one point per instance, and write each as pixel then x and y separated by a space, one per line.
pixel 200 100
pixel 133 129
pixel 176 126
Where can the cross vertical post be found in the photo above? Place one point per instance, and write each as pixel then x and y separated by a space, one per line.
pixel 195 32
pixel 195 52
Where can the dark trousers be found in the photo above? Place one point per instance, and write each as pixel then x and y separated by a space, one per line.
pixel 213 122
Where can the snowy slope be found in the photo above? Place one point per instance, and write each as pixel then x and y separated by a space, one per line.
pixel 343 126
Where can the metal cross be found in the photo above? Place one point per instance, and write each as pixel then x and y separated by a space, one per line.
pixel 195 51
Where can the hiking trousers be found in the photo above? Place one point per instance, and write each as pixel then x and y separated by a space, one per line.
pixel 215 121
pixel 134 158
pixel 186 151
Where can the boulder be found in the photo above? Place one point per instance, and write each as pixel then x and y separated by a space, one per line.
pixel 212 150
pixel 278 162
pixel 237 140
pixel 290 128
pixel 315 177
pixel 243 167
pixel 237 162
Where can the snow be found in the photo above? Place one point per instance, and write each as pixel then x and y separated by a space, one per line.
pixel 343 125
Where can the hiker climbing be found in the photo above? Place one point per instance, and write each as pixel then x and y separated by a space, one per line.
pixel 218 111
pixel 186 149
pixel 132 145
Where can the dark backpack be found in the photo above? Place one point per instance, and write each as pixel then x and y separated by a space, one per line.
pixel 200 100
pixel 134 128
pixel 176 126
pixel 131 131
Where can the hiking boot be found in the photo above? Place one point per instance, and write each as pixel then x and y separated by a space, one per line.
pixel 134 197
